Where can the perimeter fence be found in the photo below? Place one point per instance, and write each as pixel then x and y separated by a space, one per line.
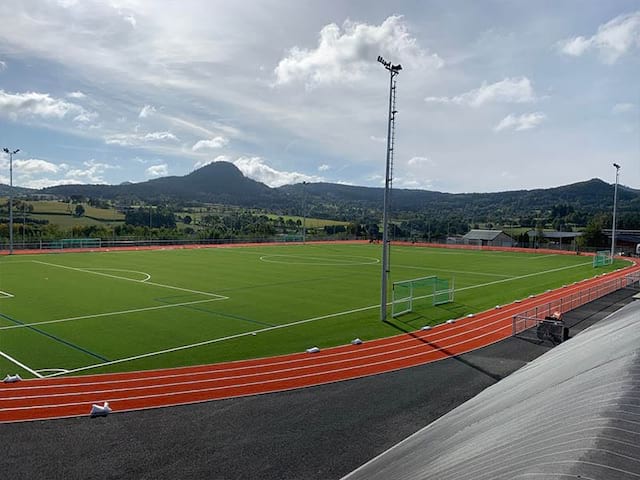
pixel 532 317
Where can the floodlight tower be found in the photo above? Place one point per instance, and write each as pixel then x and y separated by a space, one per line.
pixel 11 153
pixel 394 70
pixel 613 223
pixel 304 212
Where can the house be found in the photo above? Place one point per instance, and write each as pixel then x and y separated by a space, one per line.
pixel 492 238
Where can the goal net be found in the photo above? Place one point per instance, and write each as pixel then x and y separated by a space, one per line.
pixel 407 294
pixel 602 258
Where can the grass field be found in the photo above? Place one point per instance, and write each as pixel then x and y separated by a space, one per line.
pixel 133 310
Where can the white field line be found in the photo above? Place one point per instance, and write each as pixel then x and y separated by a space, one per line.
pixel 222 297
pixel 287 325
pixel 21 365
pixel 44 370
pixel 454 271
pixel 144 274
pixel 537 257
pixel 224 387
pixel 5 295
pixel 109 314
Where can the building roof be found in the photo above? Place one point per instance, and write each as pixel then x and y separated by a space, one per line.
pixel 534 233
pixel 570 413
pixel 483 235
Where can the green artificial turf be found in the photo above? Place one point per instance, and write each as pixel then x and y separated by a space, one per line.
pixel 70 311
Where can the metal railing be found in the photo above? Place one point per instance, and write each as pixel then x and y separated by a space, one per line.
pixel 533 316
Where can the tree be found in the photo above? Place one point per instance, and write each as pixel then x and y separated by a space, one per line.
pixel 592 235
pixel 187 219
pixel 79 210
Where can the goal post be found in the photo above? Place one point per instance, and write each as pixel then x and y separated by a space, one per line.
pixel 602 257
pixel 406 293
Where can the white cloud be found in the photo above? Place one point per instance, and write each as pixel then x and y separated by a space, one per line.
pixel 85 117
pixel 146 111
pixel 219 158
pixel 31 104
pixel 76 94
pixel 161 170
pixel 34 166
pixel 3 65
pixel 38 183
pixel 420 161
pixel 255 168
pixel 612 40
pixel 344 55
pixel 509 90
pixel 131 139
pixel 92 173
pixel 623 108
pixel 216 142
pixel 378 139
pixel 525 121
pixel 324 167
pixel 159 136
pixel 131 19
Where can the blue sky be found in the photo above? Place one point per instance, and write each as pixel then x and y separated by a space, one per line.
pixel 494 95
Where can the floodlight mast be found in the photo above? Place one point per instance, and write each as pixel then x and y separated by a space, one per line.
pixel 613 223
pixel 394 70
pixel 11 153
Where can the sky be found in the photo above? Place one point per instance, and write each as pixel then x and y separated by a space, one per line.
pixel 493 95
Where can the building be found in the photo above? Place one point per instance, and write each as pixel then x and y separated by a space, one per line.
pixel 490 238
pixel 562 239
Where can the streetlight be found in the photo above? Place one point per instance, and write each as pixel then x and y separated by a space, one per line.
pixel 615 201
pixel 11 154
pixel 394 70
pixel 304 211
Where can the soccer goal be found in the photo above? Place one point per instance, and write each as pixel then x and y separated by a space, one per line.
pixel 602 258
pixel 406 293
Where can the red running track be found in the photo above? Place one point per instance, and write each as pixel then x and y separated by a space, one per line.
pixel 40 399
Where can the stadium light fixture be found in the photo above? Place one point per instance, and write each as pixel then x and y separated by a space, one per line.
pixel 394 70
pixel 304 211
pixel 11 153
pixel 613 223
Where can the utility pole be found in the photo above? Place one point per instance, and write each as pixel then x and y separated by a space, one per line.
pixel 393 70
pixel 615 201
pixel 11 154
pixel 304 212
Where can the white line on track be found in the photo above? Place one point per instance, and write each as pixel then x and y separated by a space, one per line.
pixel 291 324
pixel 379 359
pixel 21 365
pixel 462 327
pixel 109 314
pixel 259 382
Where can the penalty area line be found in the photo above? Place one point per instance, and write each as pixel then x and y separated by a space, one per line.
pixel 20 364
pixel 144 282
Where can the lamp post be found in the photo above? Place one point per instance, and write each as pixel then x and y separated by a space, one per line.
pixel 393 70
pixel 11 154
pixel 304 212
pixel 615 201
